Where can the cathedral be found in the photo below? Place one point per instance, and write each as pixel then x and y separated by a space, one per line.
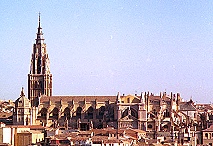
pixel 163 117
pixel 148 112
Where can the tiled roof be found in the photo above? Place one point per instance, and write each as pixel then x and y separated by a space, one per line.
pixel 107 130
pixel 152 97
pixel 77 98
pixel 66 135
pixel 85 133
pixel 105 139
pixel 155 97
pixel 112 141
pixel 33 127
pixel 187 106
pixel 135 130
pixel 5 115
pixel 204 107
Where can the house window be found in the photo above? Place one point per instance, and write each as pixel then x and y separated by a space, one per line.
pixel 206 135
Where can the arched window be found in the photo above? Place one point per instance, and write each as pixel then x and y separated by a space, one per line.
pixel 134 113
pixel 166 113
pixel 43 113
pixel 67 113
pixel 206 135
pixel 78 112
pixel 101 111
pixel 90 113
pixel 55 113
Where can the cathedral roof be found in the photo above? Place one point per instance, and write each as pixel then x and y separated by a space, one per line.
pixel 78 98
pixel 165 98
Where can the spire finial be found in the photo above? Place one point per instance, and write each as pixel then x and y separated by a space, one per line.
pixel 39 33
pixel 39 22
pixel 22 92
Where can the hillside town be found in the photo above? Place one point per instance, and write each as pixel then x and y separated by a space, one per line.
pixel 144 119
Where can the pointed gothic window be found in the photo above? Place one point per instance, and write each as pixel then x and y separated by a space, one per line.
pixel 90 112
pixel 67 113
pixel 78 112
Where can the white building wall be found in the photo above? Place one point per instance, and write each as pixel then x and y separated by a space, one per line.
pixel 7 135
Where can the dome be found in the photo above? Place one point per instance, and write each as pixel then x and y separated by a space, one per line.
pixel 22 101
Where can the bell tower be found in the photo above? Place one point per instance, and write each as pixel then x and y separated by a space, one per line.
pixel 39 78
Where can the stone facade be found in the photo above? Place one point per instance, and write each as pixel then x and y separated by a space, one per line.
pixel 21 113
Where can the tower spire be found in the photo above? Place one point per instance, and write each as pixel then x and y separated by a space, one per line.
pixel 39 38
pixel 39 78
pixel 39 22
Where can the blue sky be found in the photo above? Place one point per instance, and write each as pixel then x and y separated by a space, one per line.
pixel 102 47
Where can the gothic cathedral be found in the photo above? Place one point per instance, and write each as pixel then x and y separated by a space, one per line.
pixel 146 112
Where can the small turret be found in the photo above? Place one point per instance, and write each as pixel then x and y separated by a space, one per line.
pixel 49 102
pixel 142 100
pixel 118 100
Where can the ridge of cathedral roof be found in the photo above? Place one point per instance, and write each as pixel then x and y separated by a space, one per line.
pixel 158 97
pixel 78 98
